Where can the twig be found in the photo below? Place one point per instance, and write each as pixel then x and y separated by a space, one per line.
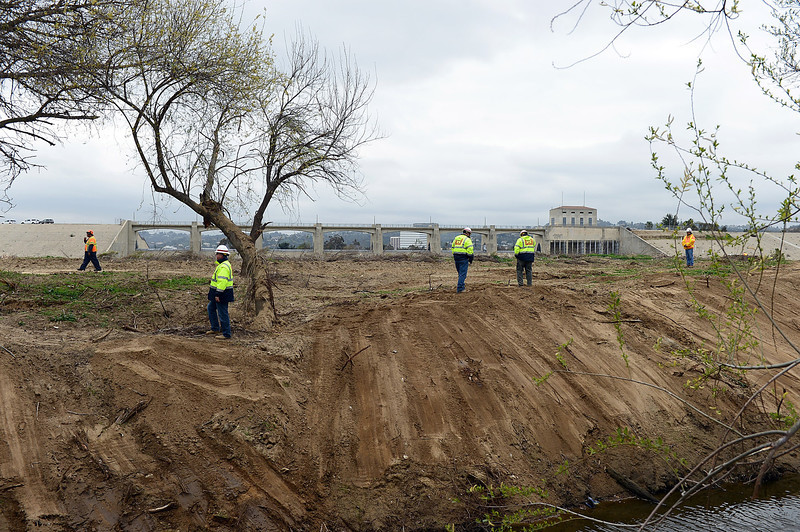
pixel 147 279
pixel 83 442
pixel 105 335
pixel 11 486
pixel 127 414
pixel 350 360
pixel 9 352
pixel 634 320
pixel 78 413
pixel 161 508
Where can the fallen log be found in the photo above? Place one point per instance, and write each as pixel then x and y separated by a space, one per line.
pixel 631 486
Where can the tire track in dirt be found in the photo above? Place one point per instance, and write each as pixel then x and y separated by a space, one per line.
pixel 211 459
pixel 421 385
pixel 21 460
pixel 451 375
pixel 165 361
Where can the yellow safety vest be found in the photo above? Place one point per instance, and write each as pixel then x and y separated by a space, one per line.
pixel 462 244
pixel 688 241
pixel 525 244
pixel 223 276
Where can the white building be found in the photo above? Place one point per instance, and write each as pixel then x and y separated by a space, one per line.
pixel 573 216
pixel 409 238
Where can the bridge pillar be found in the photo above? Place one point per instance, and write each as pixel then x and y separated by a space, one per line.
pixel 491 242
pixel 435 242
pixel 319 242
pixel 195 239
pixel 130 240
pixel 376 240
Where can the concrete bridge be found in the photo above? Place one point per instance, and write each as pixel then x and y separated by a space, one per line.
pixel 123 239
pixel 432 232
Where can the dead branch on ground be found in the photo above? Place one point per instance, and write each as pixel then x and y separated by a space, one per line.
pixel 128 413
pixel 350 359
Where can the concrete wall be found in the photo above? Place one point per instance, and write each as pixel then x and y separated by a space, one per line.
pixel 562 232
pixel 632 244
pixel 55 240
pixel 671 244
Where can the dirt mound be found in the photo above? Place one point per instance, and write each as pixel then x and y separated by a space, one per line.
pixel 378 401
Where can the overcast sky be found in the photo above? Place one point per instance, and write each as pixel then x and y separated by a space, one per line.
pixel 481 126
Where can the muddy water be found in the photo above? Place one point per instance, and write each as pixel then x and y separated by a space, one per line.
pixel 729 510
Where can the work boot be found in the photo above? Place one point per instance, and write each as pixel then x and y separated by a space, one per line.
pixel 222 337
pixel 212 331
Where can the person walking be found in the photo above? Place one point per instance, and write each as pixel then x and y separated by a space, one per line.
pixel 462 255
pixel 90 252
pixel 220 293
pixel 525 252
pixel 688 246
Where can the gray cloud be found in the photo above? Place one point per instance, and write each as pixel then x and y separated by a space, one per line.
pixel 480 125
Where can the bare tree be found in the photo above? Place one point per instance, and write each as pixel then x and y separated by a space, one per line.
pixel 48 53
pixel 221 130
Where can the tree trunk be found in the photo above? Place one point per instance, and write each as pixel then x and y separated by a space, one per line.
pixel 259 300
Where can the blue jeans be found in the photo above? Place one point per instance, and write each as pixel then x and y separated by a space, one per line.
pixel 462 265
pixel 690 257
pixel 215 308
pixel 90 256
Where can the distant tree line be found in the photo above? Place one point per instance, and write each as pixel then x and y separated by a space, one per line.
pixel 670 222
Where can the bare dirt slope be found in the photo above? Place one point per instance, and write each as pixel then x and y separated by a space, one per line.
pixel 378 400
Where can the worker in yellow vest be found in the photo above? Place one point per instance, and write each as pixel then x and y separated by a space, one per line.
pixel 90 252
pixel 462 255
pixel 220 293
pixel 525 252
pixel 688 246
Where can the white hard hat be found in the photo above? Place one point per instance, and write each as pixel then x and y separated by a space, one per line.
pixel 467 230
pixel 523 232
pixel 223 249
pixel 688 229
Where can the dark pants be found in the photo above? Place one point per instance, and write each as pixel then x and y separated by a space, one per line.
pixel 90 256
pixel 527 267
pixel 690 257
pixel 219 318
pixel 462 265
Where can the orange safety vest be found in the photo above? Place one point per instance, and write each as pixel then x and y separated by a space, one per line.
pixel 688 241
pixel 91 244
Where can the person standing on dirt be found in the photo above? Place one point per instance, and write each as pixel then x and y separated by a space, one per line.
pixel 90 252
pixel 220 293
pixel 462 254
pixel 688 246
pixel 525 252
